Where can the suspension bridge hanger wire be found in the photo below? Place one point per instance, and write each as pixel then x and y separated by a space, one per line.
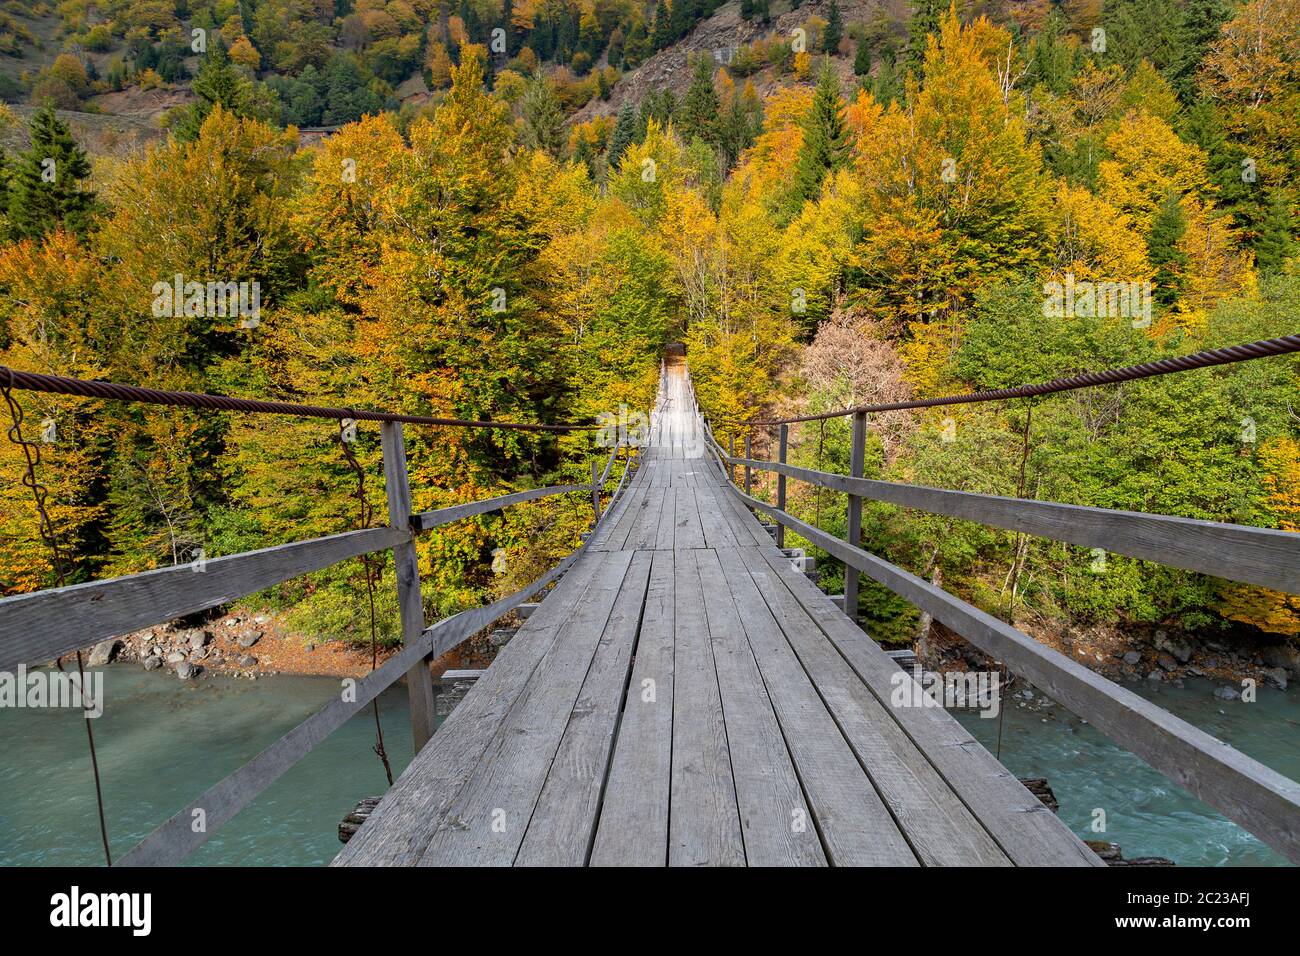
pixel 1209 358
pixel 63 385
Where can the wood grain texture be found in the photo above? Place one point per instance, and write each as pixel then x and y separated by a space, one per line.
pixel 704 823
pixel 633 828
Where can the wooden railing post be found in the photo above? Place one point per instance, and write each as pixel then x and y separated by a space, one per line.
pixel 731 453
pixel 748 435
pixel 780 483
pixel 419 684
pixel 595 491
pixel 856 462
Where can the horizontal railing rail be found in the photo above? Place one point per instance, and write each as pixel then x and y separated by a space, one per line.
pixel 428 520
pixel 1260 799
pixel 1263 556
pixel 42 625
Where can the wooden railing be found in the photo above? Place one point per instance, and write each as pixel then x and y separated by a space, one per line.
pixel 41 626
pixel 1244 790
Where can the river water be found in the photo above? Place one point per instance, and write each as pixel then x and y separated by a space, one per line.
pixel 162 742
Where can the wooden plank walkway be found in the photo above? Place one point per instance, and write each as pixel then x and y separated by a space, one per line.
pixel 685 697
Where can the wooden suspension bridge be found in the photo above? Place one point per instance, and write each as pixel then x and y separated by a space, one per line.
pixel 683 695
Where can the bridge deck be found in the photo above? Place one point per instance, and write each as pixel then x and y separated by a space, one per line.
pixel 685 697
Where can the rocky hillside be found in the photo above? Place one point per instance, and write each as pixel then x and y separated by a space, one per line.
pixel 721 34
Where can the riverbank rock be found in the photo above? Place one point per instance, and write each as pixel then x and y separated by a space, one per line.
pixel 1282 655
pixel 1276 675
pixel 198 639
pixel 188 671
pixel 248 660
pixel 1226 693
pixel 248 640
pixel 175 657
pixel 1132 658
pixel 104 652
pixel 152 662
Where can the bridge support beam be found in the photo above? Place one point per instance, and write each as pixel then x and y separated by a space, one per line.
pixel 748 454
pixel 857 460
pixel 397 483
pixel 595 492
pixel 782 447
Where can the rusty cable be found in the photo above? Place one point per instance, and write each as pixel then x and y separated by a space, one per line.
pixel 63 385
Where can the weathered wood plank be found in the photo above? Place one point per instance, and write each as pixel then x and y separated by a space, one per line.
pixel 43 625
pixel 1262 556
pixel 716 528
pixel 485 822
pixel 687 531
pixel 563 823
pixel 704 822
pixel 800 662
pixel 645 532
pixel 666 532
pixel 428 520
pixel 633 828
pixel 776 825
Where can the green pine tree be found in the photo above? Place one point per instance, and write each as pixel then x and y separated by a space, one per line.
pixel 834 32
pixel 543 119
pixel 1276 240
pixel 1198 27
pixel 700 106
pixel 1139 30
pixel 624 135
pixel 1167 228
pixel 218 84
pixel 825 137
pixel 923 22
pixel 886 87
pixel 862 59
pixel 662 34
pixel 45 189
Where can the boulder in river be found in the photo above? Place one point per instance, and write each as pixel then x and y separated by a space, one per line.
pixel 1276 675
pixel 1226 693
pixel 104 652
pixel 152 662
